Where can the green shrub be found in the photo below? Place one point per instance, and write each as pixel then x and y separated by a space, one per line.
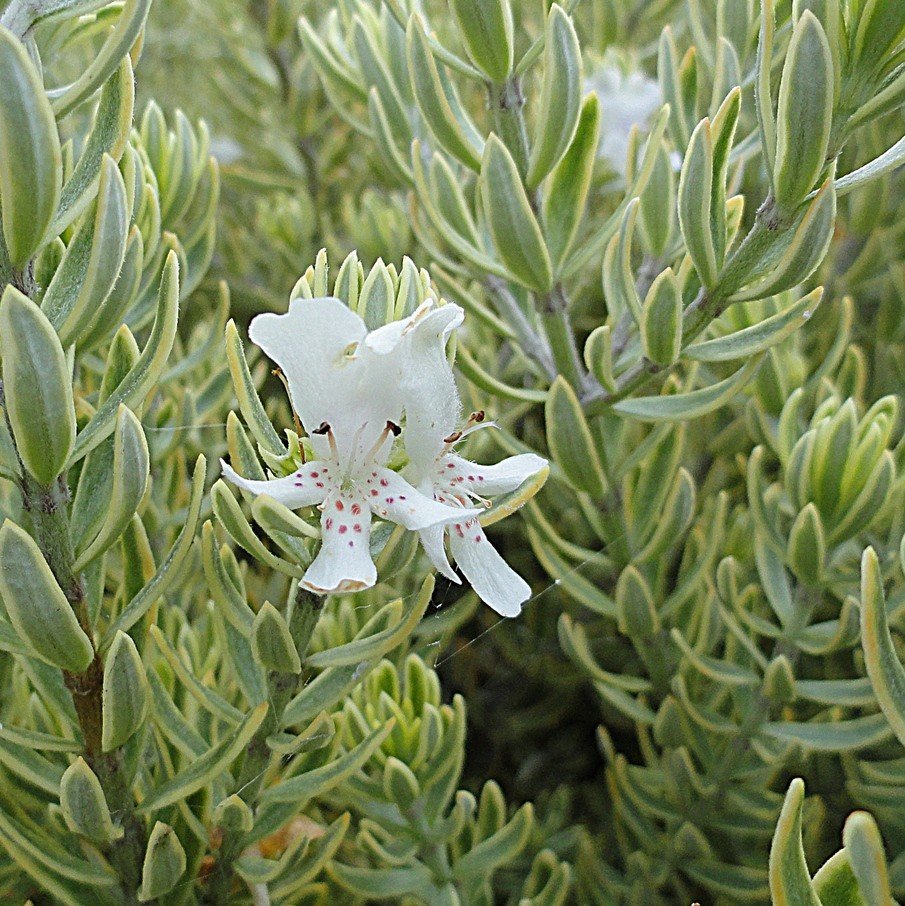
pixel 634 270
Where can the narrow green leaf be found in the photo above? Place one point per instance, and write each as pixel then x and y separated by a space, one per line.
pixel 229 514
pixel 436 100
pixel 560 99
pixel 208 767
pixel 890 159
pixel 164 863
pixel 570 442
pixel 131 469
pixel 37 386
pixel 887 675
pixel 661 320
pixel 31 165
pixel 92 262
pixel 271 641
pixel 486 30
pixel 790 881
pixel 36 605
pixel 371 647
pixel 512 223
pixel 141 379
pixel 864 847
pixel 696 202
pixel 567 191
pixel 758 337
pixel 108 136
pixel 805 113
pixel 323 692
pixel 118 43
pixel 619 290
pixel 126 693
pixel 498 848
pixel 681 406
pixel 318 781
pixel 837 736
pixel 158 584
pixel 84 806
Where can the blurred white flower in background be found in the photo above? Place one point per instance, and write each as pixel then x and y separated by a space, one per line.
pixel 628 97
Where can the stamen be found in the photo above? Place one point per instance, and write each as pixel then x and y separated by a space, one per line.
pixel 389 429
pixel 324 429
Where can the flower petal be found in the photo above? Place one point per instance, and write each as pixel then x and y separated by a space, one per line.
pixel 344 562
pixel 431 399
pixel 306 487
pixel 331 377
pixel 497 584
pixel 432 540
pixel 489 481
pixel 386 339
pixel 391 497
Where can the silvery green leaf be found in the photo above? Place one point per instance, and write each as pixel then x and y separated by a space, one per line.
pixel 486 30
pixel 229 514
pixel 271 641
pixel 758 337
pixel 499 847
pixel 377 74
pixel 513 226
pixel 693 404
pixel 108 137
pixel 790 880
pixel 247 395
pixel 570 441
pixel 889 160
pixel 598 356
pixel 619 289
pixel 31 168
pixel 567 191
pixel 884 668
pixel 157 585
pixel 560 100
pixel 799 251
pixel 92 261
pixel 135 387
pixel 109 316
pixel 658 208
pixel 866 855
pixel 695 203
pixel 208 767
pixel 438 102
pixel 164 863
pixel 319 780
pixel 107 60
pixel 763 97
pixel 84 806
pixel 661 319
pixel 836 736
pixel 126 694
pixel 36 605
pixel 130 472
pixel 807 546
pixel 37 387
pixel 376 639
pixel 805 112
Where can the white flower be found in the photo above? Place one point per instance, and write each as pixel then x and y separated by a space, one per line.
pixel 627 99
pixel 432 413
pixel 346 387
